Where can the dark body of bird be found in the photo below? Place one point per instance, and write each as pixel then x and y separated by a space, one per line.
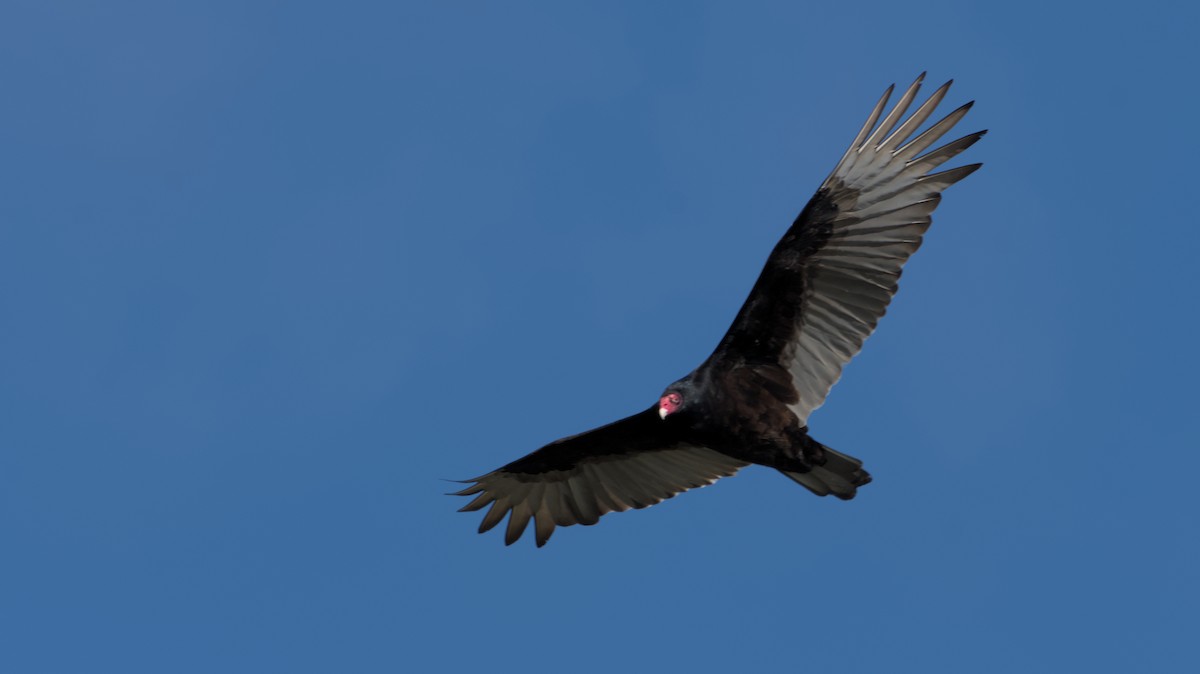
pixel 819 296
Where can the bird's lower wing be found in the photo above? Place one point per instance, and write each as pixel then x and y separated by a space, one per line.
pixel 631 463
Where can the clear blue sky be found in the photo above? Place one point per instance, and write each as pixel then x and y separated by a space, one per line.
pixel 270 271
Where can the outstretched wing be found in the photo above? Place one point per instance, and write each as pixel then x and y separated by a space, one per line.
pixel 831 277
pixel 631 463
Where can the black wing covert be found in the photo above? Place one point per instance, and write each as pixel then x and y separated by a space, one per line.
pixel 631 463
pixel 830 279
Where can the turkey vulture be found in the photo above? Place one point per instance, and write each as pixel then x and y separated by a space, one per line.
pixel 823 289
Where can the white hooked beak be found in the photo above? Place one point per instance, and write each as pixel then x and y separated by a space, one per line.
pixel 662 412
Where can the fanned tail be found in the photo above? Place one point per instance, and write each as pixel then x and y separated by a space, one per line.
pixel 840 475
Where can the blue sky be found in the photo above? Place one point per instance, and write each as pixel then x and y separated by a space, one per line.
pixel 269 272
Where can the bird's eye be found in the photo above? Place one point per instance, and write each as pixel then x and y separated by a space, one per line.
pixel 675 399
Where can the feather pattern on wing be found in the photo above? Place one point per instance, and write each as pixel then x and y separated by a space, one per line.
pixel 830 279
pixel 628 464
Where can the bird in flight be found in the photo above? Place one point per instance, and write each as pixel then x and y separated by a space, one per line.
pixel 821 293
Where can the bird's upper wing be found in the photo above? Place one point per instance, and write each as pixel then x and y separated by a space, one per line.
pixel 831 277
pixel 631 463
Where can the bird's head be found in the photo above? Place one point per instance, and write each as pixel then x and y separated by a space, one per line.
pixel 680 396
pixel 669 403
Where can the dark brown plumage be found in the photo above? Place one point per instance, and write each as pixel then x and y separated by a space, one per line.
pixel 820 295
